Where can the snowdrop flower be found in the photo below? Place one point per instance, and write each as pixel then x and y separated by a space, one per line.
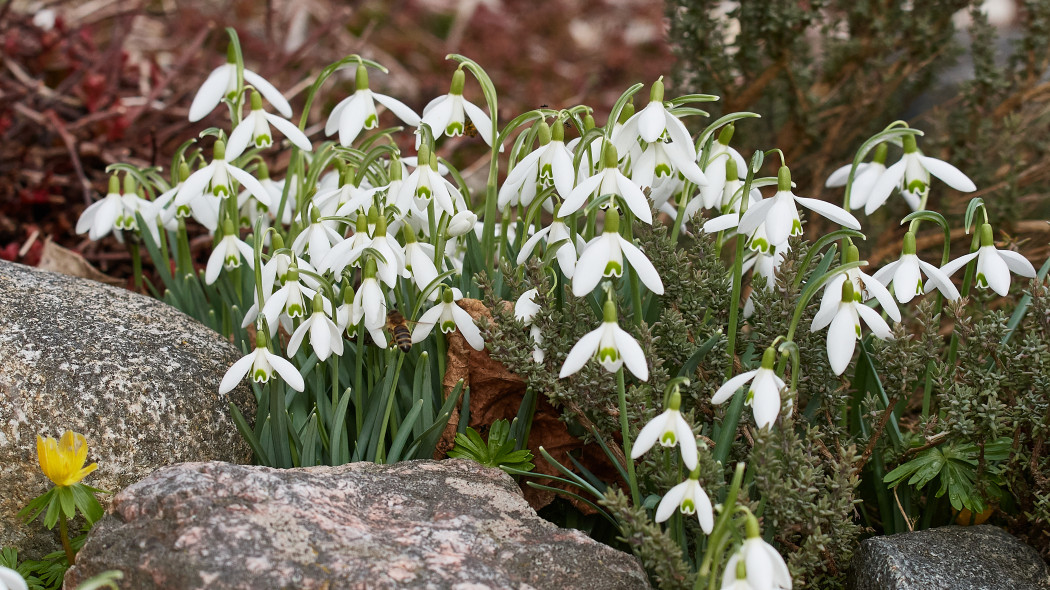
pixel 548 165
pixel 255 129
pixel 609 180
pixel 525 309
pixel 216 177
pixel 603 257
pixel 611 345
pixel 370 305
pixel 556 232
pixel 716 170
pixel 863 181
pixel 325 337
pixel 222 83
pixel 756 566
pixel 289 299
pixel 993 265
pixel 262 363
pixel 781 216
pixel 461 223
pixel 419 262
pixel 905 276
pixel 318 237
pixel 865 287
pixel 358 111
pixel 764 393
pixel 670 429
pixel 690 498
pixel 912 175
pixel 448 316
pixel 9 578
pixel 227 254
pixel 426 184
pixel 100 217
pixel 445 114
pixel 346 252
pixel 843 323
pixel 669 145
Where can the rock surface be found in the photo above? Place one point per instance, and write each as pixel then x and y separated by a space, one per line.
pixel 422 524
pixel 962 558
pixel 136 377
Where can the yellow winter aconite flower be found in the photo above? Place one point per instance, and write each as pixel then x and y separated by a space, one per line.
pixel 62 461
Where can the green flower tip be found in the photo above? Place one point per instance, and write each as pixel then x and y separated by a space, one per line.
pixel 395 169
pixel 909 144
pixel 726 134
pixel 769 357
pixel 293 274
pixel 361 225
pixel 361 78
pixel 315 215
pixel 544 132
pixel 408 233
pixel 612 221
pixel 256 101
pixel 751 528
pixel 261 340
pixel 588 122
pixel 276 242
pixel 433 161
pixel 219 151
pixel 656 94
pixel 611 158
pixel 847 291
pixel 675 402
pixel 348 294
pixel 459 78
pixel 609 312
pixel 784 179
pixel 852 254
pixel 130 186
pixel 184 172
pixel 731 170
pixel 558 131
pixel 318 303
pixel 380 226
pixel 424 154
pixel 741 569
pixel 909 243
pixel 263 172
pixel 231 54
pixel 227 227
pixel 370 268
pixel 695 474
pixel 447 296
pixel 987 238
pixel 627 112
pixel 114 185
pixel 373 215
pixel 880 153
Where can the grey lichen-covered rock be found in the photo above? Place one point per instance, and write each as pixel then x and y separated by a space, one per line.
pixel 422 524
pixel 136 377
pixel 961 558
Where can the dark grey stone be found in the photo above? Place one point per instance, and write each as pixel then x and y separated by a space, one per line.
pixel 136 377
pixel 954 557
pixel 421 524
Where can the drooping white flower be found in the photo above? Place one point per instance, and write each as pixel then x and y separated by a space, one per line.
pixel 325 337
pixel 255 129
pixel 905 274
pixel 548 165
pixel 865 287
pixel 764 393
pixel 763 567
pixel 222 83
pixel 843 323
pixel 228 253
pixel 215 178
pixel 370 305
pixel 426 185
pixel 669 429
pixel 781 216
pixel 358 111
pixel 555 233
pixel 101 216
pixel 716 169
pixel 864 179
pixel 609 181
pixel 688 497
pixel 603 257
pixel 419 263
pixel 912 175
pixel 289 300
pixel 611 345
pixel 461 223
pixel 317 239
pixel 525 309
pixel 993 265
pixel 446 114
pixel 449 316
pixel 262 363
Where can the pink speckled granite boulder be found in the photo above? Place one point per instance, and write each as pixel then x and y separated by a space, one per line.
pixel 422 524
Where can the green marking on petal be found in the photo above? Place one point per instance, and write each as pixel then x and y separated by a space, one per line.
pixel 613 269
pixel 668 439
pixel 916 186
pixel 796 227
pixel 687 506
pixel 182 211
pixel 448 326
pixel 371 122
pixel 260 376
pixel 760 244
pixel 982 281
pixel 856 328
pixel 423 192
pixel 232 261
pixel 608 355
pixel 220 190
pixel 663 170
pixel 295 310
pixel 263 141
pixel 454 128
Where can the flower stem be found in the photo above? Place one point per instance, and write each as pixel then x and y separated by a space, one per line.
pixel 63 533
pixel 621 390
pixel 717 538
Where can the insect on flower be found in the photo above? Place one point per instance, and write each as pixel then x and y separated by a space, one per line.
pixel 397 325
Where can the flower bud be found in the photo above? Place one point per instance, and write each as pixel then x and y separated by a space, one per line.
pixel 461 223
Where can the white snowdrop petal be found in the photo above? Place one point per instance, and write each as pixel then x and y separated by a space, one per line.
pixel 580 353
pixel 842 339
pixel 730 387
pixel 951 175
